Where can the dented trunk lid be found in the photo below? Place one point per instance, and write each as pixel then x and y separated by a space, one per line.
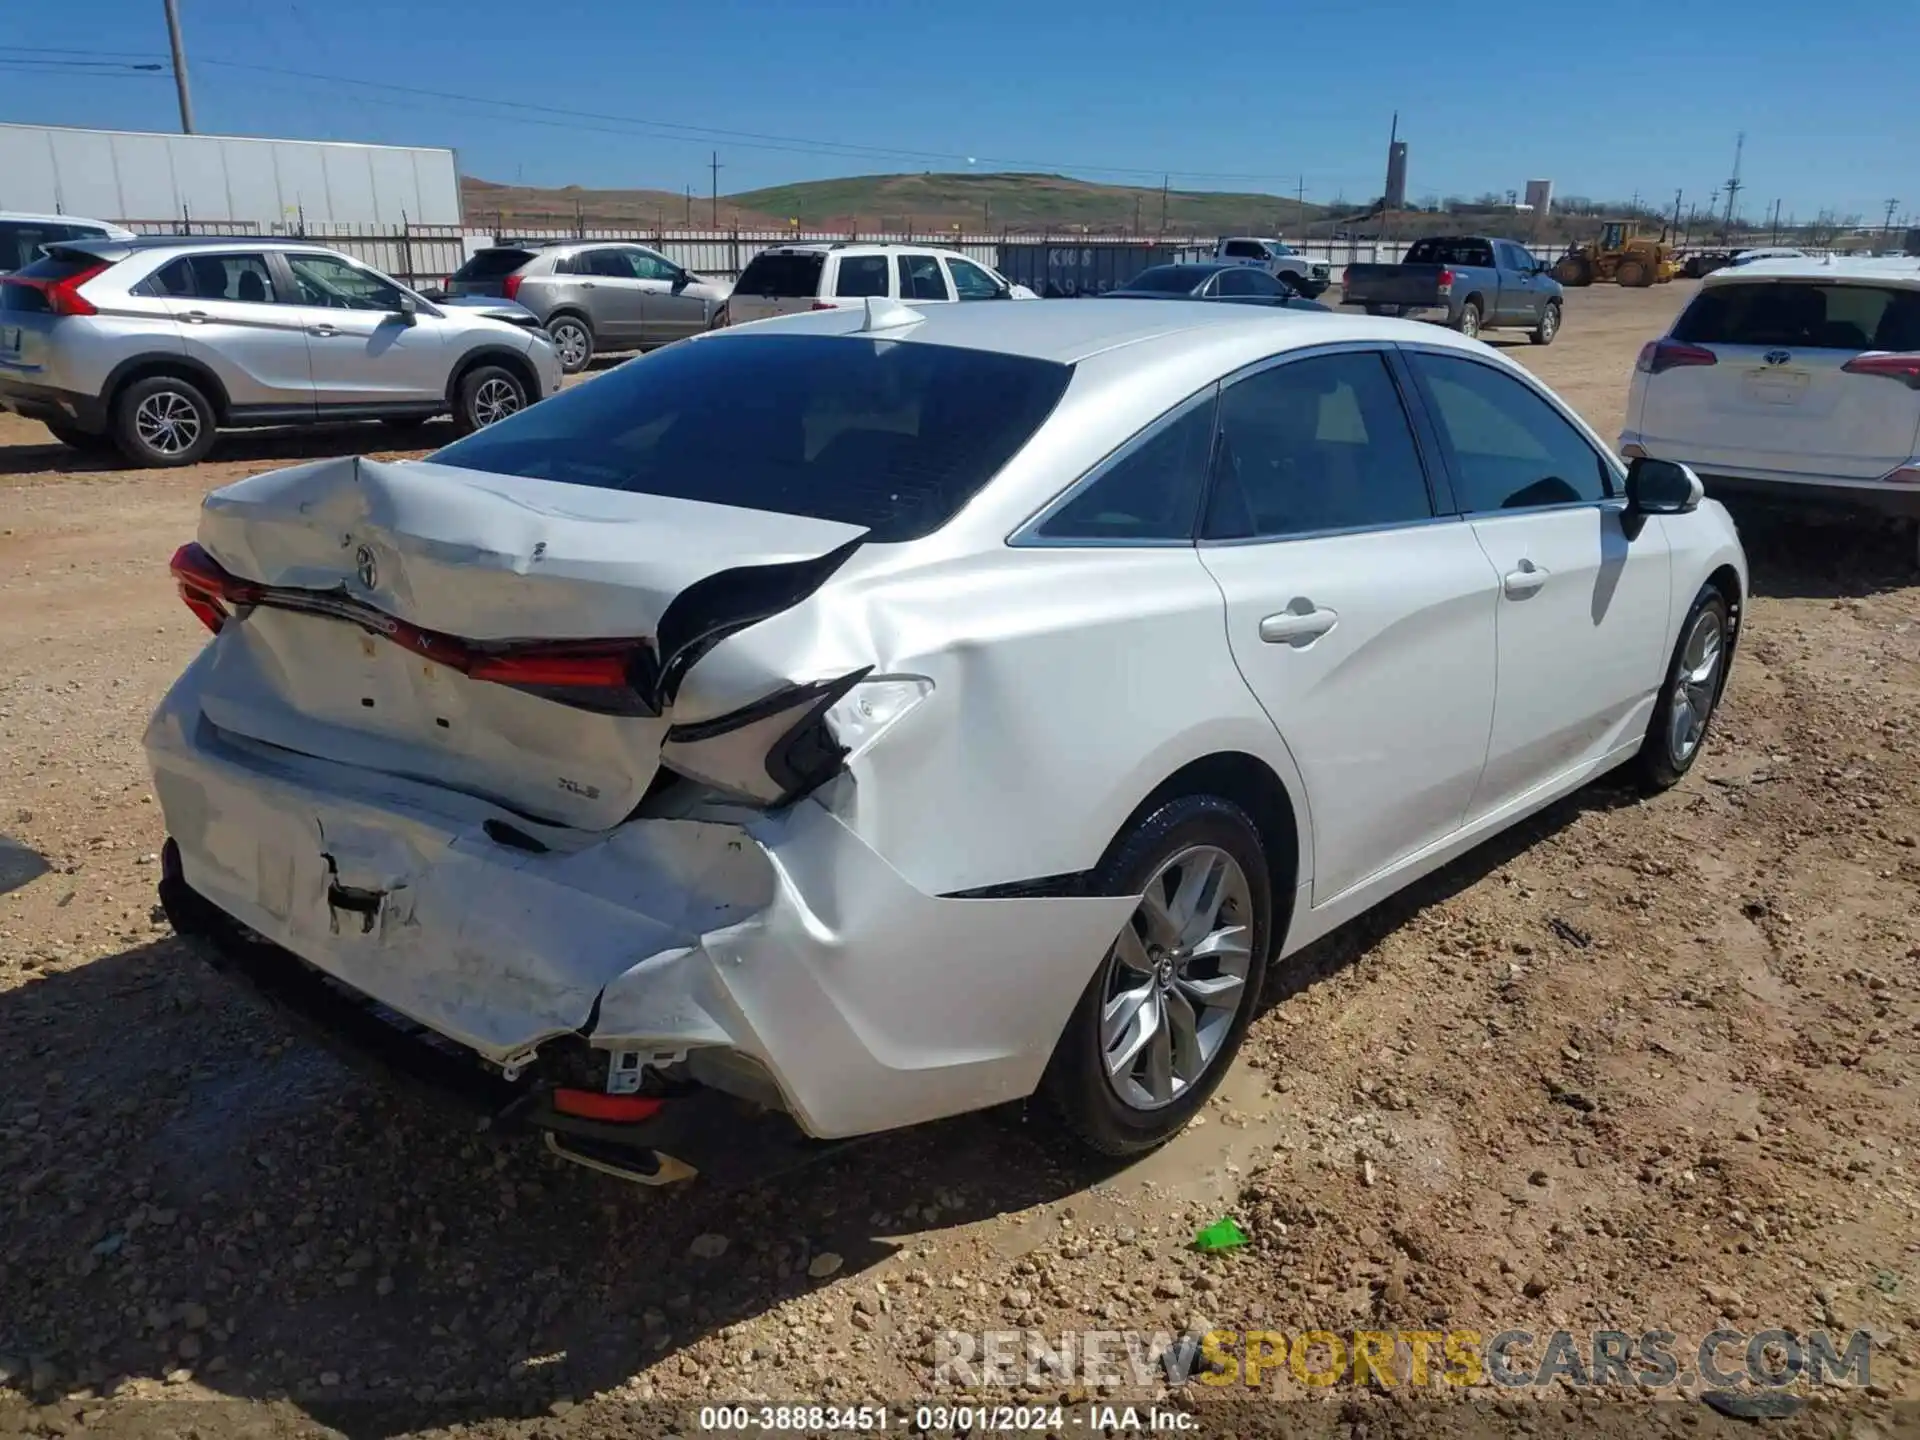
pixel 361 558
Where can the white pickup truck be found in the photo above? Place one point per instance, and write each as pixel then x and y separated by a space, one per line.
pixel 1307 275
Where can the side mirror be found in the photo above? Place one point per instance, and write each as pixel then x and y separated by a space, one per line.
pixel 409 310
pixel 1659 487
pixel 682 279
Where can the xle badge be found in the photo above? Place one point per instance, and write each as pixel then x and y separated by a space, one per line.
pixel 574 787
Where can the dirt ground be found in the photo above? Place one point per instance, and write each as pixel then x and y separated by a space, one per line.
pixel 1639 1065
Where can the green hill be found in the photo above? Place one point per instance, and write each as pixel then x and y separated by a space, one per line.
pixel 923 202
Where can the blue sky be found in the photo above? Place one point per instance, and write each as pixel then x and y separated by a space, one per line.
pixel 1638 95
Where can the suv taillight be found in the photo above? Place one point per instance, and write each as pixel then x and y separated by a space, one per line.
pixel 63 295
pixel 825 305
pixel 1890 365
pixel 510 287
pixel 1657 356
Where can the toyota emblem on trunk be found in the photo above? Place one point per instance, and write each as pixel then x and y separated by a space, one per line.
pixel 1777 357
pixel 364 567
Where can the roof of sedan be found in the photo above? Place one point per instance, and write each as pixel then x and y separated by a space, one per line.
pixel 1068 331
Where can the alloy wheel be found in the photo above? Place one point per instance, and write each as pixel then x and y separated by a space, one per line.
pixel 571 341
pixel 493 401
pixel 1696 685
pixel 167 423
pixel 1176 977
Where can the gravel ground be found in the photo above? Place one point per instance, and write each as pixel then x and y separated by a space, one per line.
pixel 1637 1065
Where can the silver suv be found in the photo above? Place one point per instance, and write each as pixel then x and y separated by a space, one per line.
pixel 595 295
pixel 153 344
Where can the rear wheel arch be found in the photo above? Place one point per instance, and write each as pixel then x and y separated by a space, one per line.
pixel 511 360
pixel 178 367
pixel 1253 785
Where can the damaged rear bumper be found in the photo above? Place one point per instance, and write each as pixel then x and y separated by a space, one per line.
pixel 779 959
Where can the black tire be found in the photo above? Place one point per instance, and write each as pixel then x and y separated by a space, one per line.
pixel 574 357
pixel 162 421
pixel 1661 763
pixel 1549 326
pixel 86 441
pixel 1076 1087
pixel 1633 275
pixel 482 390
pixel 1573 271
pixel 1467 322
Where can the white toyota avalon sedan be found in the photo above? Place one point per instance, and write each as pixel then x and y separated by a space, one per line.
pixel 874 715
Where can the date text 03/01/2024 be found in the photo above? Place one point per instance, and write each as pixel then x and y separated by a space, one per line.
pixel 940 1419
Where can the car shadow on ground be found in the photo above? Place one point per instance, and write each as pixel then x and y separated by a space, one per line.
pixel 194 1189
pixel 290 443
pixel 1797 555
pixel 20 865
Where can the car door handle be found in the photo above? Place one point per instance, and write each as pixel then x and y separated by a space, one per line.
pixel 196 317
pixel 323 330
pixel 1523 581
pixel 1297 627
pixel 586 284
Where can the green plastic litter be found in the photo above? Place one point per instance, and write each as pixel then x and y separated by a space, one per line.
pixel 1223 1234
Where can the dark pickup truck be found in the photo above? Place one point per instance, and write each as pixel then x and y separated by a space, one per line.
pixel 1467 282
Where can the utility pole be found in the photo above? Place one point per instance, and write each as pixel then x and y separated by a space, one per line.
pixel 1892 205
pixel 1164 179
pixel 689 207
pixel 180 66
pixel 1733 185
pixel 1775 231
pixel 714 166
pixel 1675 230
pixel 1300 203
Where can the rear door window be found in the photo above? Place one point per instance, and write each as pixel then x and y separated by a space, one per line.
pixel 244 279
pixel 1315 445
pixel 20 241
pixel 782 277
pixel 871 432
pixel 646 265
pixel 861 275
pixel 607 264
pixel 1244 250
pixel 1797 315
pixel 920 278
pixel 1148 492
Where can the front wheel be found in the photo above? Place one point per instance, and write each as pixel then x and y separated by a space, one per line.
pixel 1695 677
pixel 1172 998
pixel 1469 322
pixel 487 395
pixel 1549 326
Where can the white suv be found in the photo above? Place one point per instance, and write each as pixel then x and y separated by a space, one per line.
pixel 1791 379
pixel 828 275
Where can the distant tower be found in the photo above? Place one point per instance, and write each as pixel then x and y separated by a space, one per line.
pixel 1396 168
pixel 1540 196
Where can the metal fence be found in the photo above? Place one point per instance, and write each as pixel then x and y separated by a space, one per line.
pixel 426 255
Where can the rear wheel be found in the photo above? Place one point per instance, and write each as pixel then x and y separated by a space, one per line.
pixel 1469 322
pixel 1549 326
pixel 573 339
pixel 1695 677
pixel 487 394
pixel 1165 1012
pixel 162 420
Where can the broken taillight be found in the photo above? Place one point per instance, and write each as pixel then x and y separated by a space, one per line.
pixel 612 677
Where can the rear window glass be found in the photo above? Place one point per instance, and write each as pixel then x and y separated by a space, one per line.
pixel 1450 251
pixel 1170 279
pixel 28 299
pixel 782 277
pixel 1796 315
pixel 861 275
pixel 889 435
pixel 492 264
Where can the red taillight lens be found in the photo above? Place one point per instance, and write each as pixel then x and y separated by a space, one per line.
pixel 1657 356
pixel 1446 279
pixel 825 305
pixel 207 589
pixel 557 667
pixel 63 295
pixel 1905 475
pixel 1891 366
pixel 592 1105
pixel 510 287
